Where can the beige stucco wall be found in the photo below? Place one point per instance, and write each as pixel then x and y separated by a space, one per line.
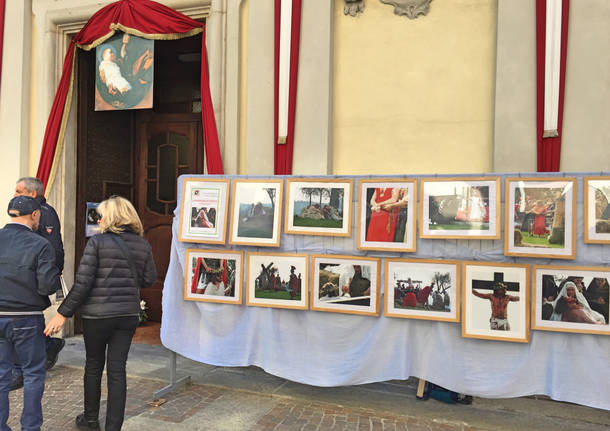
pixel 414 96
pixel 586 117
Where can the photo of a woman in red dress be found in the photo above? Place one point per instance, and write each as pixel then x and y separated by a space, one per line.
pixel 384 216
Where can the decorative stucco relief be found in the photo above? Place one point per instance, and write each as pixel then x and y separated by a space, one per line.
pixel 353 7
pixel 411 8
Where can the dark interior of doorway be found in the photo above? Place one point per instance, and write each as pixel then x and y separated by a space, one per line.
pixel 110 143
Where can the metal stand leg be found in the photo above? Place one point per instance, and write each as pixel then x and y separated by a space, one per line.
pixel 173 383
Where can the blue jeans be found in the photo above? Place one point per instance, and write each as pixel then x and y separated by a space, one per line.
pixel 21 337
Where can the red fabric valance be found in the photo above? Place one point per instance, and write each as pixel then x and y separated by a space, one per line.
pixel 143 18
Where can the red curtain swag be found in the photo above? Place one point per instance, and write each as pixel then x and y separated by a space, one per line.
pixel 2 6
pixel 284 152
pixel 143 18
pixel 549 148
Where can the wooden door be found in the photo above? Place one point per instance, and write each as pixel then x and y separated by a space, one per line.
pixel 168 145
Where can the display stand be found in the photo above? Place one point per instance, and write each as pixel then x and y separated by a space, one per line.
pixel 173 382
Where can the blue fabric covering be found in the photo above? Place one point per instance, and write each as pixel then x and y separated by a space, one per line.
pixel 331 349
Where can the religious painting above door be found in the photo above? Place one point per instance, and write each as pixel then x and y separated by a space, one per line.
pixel 124 73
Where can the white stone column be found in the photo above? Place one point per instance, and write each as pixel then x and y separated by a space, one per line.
pixel 15 98
pixel 515 99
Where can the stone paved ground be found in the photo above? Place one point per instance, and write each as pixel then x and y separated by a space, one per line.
pixel 204 407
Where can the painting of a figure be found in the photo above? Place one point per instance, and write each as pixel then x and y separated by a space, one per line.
pixel 124 73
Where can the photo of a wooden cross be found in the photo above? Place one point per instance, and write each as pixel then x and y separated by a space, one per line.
pixel 498 278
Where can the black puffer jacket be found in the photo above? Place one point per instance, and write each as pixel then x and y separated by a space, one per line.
pixel 104 285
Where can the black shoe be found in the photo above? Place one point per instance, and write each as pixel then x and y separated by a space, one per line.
pixel 53 353
pixel 84 424
pixel 16 383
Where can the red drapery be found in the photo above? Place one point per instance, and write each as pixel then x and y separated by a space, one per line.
pixel 143 18
pixel 284 152
pixel 2 4
pixel 549 148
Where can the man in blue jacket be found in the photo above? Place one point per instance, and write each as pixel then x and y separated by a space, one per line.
pixel 27 276
pixel 50 229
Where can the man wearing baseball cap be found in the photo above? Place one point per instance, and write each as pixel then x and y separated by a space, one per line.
pixel 27 276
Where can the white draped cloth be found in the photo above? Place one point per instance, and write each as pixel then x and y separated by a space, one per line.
pixel 333 349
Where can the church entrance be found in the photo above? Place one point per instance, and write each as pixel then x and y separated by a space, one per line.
pixel 138 154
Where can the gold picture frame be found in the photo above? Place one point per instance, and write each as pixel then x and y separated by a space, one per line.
pixel 387 213
pixel 203 210
pixel 597 217
pixel 213 275
pixel 459 208
pixel 256 212
pixel 349 284
pixel 508 319
pixel 570 299
pixel 281 281
pixel 540 217
pixel 332 218
pixel 403 280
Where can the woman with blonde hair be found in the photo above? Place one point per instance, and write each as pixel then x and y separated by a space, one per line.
pixel 116 263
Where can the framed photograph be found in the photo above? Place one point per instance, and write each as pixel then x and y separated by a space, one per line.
pixel 92 226
pixel 571 299
pixel 540 214
pixel 345 284
pixel 277 280
pixel 386 215
pixel 460 208
pixel 494 301
pixel 256 212
pixel 597 210
pixel 213 275
pixel 203 210
pixel 124 73
pixel 422 289
pixel 319 207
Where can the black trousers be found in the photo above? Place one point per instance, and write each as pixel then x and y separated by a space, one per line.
pixel 114 333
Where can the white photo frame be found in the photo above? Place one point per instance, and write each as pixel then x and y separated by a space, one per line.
pixel 213 275
pixel 597 210
pixel 203 210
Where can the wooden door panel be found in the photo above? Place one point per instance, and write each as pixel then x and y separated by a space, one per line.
pixel 168 146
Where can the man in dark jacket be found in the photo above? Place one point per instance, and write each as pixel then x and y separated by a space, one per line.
pixel 27 276
pixel 50 229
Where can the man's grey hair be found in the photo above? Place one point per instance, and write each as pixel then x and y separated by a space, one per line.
pixel 32 184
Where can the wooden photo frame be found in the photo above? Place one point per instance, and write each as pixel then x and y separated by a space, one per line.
pixel 540 217
pixel 203 210
pixel 422 289
pixel 277 280
pixel 597 210
pixel 319 206
pixel 256 212
pixel 570 299
pixel 486 312
pixel 213 275
pixel 345 284
pixel 460 207
pixel 386 215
